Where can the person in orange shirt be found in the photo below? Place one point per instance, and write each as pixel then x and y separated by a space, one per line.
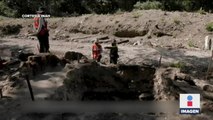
pixel 42 33
pixel 96 51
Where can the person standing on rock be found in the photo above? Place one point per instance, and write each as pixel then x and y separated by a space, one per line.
pixel 96 51
pixel 42 33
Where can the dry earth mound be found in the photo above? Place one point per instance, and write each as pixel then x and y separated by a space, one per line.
pixel 91 81
pixel 179 28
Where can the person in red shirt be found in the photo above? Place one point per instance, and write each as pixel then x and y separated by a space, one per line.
pixel 42 33
pixel 96 51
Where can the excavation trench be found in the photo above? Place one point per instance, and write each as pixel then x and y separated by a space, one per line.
pixel 95 82
pixel 86 80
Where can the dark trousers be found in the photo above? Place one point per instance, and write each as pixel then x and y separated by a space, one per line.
pixel 43 43
pixel 99 58
pixel 113 60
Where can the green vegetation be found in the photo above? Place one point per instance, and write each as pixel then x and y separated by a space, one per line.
pixel 6 11
pixel 191 44
pixel 2 18
pixel 176 21
pixel 119 11
pixel 148 5
pixel 136 14
pixel 201 11
pixel 179 64
pixel 15 8
pixel 209 27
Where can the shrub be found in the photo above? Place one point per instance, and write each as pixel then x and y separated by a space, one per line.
pixel 148 5
pixel 136 14
pixel 176 21
pixel 119 11
pixel 126 5
pixel 99 6
pixel 209 27
pixel 201 11
pixel 6 11
pixel 191 44
pixel 179 64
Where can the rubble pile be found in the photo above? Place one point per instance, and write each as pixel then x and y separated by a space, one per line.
pixel 94 81
pixel 164 88
pixel 88 80
pixel 10 29
pixel 39 62
pixel 71 56
pixel 13 71
pixel 91 81
pixel 10 77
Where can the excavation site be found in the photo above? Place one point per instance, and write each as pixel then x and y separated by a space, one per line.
pixel 106 60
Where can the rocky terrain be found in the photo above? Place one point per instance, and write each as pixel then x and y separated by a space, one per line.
pixel 161 55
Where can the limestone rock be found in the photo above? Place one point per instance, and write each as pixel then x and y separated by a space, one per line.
pixel 71 55
pixel 164 88
pixel 93 81
pixel 137 43
pixel 24 56
pixel 208 88
pixel 184 77
pixel 145 96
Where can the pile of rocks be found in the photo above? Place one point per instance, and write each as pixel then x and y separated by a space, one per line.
pixel 14 71
pixel 92 81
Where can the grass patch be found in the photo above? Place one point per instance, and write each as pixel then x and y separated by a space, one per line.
pixel 6 11
pixel 209 27
pixel 162 20
pixel 136 14
pixel 119 12
pixel 2 18
pixel 176 21
pixel 191 44
pixel 179 64
pixel 201 11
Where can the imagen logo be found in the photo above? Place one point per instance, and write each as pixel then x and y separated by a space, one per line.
pixel 189 103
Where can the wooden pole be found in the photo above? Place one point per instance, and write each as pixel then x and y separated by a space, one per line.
pixel 209 66
pixel 1 96
pixel 30 88
pixel 78 57
pixel 159 62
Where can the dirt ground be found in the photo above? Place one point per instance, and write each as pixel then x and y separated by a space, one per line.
pixel 177 36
